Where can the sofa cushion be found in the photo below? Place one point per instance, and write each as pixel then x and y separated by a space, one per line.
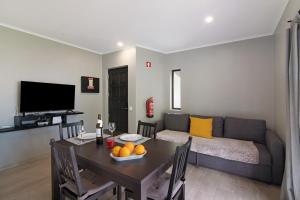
pixel 218 124
pixel 177 122
pixel 245 129
pixel 230 149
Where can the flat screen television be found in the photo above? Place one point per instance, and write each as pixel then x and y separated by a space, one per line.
pixel 38 97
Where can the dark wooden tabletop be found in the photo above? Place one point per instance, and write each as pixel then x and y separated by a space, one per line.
pixel 136 175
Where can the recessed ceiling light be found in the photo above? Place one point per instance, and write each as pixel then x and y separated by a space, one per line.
pixel 120 44
pixel 209 19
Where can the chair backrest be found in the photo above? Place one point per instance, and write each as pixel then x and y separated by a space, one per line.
pixel 66 166
pixel 73 129
pixel 179 166
pixel 147 129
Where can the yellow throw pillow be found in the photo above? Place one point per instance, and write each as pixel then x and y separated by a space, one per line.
pixel 201 127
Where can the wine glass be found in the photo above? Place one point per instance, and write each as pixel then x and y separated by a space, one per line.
pixel 81 132
pixel 111 127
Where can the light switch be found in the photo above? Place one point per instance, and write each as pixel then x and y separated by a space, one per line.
pixel 130 108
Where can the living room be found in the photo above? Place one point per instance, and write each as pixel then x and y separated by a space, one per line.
pixel 163 63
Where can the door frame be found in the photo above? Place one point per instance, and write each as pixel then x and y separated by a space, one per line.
pixel 106 102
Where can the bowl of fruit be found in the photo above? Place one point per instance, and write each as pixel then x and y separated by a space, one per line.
pixel 128 152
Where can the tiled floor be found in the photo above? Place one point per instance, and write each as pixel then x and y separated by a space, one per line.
pixel 31 181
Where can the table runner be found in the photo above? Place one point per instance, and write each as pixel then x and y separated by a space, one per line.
pixel 77 141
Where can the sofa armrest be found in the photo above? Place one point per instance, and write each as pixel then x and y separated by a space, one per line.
pixel 160 125
pixel 276 149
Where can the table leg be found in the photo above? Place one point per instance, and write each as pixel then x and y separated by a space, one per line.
pixel 54 180
pixel 119 192
pixel 141 193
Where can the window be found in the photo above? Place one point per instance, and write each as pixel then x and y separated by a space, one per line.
pixel 176 89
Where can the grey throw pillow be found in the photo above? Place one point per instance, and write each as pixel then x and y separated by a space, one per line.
pixel 177 122
pixel 245 129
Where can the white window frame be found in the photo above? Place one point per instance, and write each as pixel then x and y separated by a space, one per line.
pixel 173 90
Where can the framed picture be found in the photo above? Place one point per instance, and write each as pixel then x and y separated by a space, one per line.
pixel 90 84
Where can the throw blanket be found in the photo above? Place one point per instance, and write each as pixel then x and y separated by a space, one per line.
pixel 230 149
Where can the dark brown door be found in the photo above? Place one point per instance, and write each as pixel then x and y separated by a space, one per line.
pixel 118 97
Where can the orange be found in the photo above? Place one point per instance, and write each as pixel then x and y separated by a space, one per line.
pixel 130 146
pixel 116 151
pixel 139 149
pixel 124 152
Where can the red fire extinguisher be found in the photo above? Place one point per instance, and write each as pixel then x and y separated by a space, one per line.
pixel 150 107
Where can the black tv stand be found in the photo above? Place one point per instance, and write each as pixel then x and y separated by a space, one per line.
pixel 70 111
pixel 36 118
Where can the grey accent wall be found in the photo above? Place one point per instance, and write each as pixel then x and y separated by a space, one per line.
pixel 235 79
pixel 151 82
pixel 281 66
pixel 27 57
pixel 118 59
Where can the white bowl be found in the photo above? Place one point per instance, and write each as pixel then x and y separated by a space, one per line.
pixel 131 157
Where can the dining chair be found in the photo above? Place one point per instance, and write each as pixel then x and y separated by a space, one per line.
pixel 73 184
pixel 147 129
pixel 170 187
pixel 73 129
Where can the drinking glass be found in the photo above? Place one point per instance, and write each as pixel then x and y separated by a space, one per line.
pixel 110 142
pixel 111 127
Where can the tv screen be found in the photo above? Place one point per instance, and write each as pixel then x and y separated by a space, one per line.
pixel 36 97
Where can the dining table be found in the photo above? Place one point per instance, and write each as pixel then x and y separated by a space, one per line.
pixel 135 175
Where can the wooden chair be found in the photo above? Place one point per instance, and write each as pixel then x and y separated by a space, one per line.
pixel 73 184
pixel 73 129
pixel 147 129
pixel 170 187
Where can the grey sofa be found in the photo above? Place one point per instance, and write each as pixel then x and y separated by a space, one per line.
pixel 270 147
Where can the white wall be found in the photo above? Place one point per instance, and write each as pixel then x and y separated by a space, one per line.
pixel 281 66
pixel 151 82
pixel 118 59
pixel 142 83
pixel 26 57
pixel 235 79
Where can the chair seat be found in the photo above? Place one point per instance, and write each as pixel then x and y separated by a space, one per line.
pixel 92 182
pixel 159 190
pixel 170 186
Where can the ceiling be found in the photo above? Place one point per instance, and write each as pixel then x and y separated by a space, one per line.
pixel 162 25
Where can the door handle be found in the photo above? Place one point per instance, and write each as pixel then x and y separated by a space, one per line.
pixel 124 108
